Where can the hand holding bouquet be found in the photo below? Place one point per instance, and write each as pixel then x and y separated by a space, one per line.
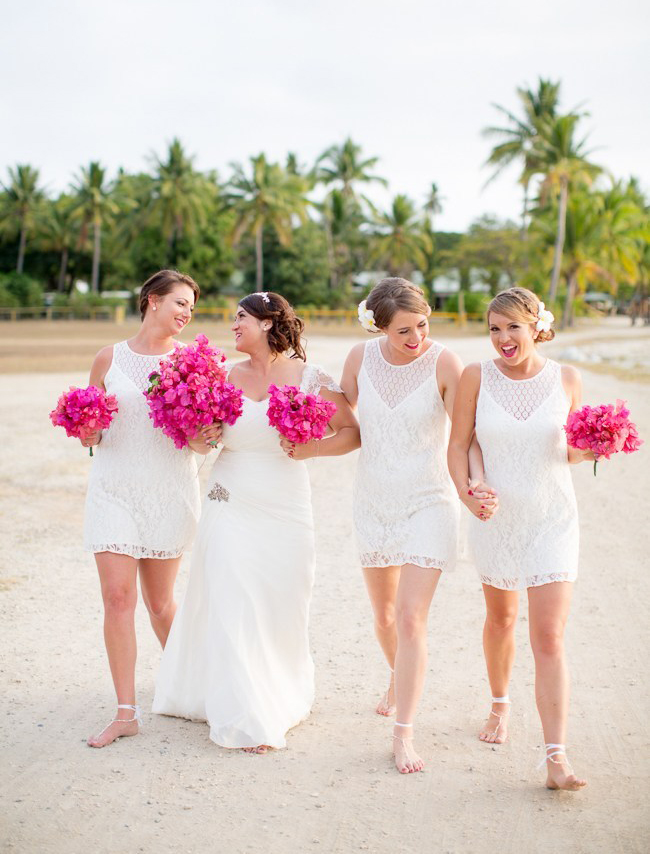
pixel 84 411
pixel 190 391
pixel 298 416
pixel 604 430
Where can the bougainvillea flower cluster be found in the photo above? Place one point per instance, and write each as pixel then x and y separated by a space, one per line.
pixel 298 416
pixel 82 411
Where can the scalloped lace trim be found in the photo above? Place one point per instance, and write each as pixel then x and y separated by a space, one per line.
pixel 529 581
pixel 135 551
pixel 380 559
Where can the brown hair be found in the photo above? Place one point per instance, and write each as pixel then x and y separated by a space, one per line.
pixel 392 295
pixel 522 305
pixel 286 327
pixel 162 283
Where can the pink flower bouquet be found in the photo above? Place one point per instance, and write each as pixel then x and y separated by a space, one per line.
pixel 82 411
pixel 604 429
pixel 298 416
pixel 190 391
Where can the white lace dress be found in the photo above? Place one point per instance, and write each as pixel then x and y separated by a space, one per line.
pixel 533 537
pixel 405 506
pixel 143 494
pixel 238 653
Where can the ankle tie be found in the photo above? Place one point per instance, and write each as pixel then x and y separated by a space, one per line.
pixel 556 749
pixel 136 713
pixel 505 699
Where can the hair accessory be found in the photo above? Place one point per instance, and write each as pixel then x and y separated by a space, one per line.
pixel 367 317
pixel 544 318
pixel 265 296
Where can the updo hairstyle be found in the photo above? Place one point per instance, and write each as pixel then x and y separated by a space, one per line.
pixel 162 283
pixel 286 329
pixel 521 305
pixel 392 295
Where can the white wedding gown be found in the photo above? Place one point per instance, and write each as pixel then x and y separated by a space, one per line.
pixel 238 651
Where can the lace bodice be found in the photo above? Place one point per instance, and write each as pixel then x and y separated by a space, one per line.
pixel 533 538
pixel 143 496
pixel 405 506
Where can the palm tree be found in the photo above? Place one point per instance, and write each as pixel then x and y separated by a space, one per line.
pixel 433 204
pixel 179 197
pixel 22 202
pixel 342 164
pixel 95 206
pixel 58 232
pixel 519 135
pixel 342 218
pixel 400 242
pixel 268 196
pixel 563 161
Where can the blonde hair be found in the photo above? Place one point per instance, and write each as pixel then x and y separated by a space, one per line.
pixel 392 295
pixel 522 305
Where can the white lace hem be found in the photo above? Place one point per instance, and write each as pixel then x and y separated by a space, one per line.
pixel 528 581
pixel 379 559
pixel 138 552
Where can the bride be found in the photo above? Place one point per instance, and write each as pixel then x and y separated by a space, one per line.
pixel 238 651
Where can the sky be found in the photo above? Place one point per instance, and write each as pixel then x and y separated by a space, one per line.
pixel 413 83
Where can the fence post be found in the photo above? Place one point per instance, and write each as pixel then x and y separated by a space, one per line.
pixel 462 316
pixel 119 314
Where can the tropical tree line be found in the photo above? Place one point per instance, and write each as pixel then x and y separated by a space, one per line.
pixel 308 231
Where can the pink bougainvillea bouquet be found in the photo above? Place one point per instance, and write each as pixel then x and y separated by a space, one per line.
pixel 82 411
pixel 298 416
pixel 604 429
pixel 190 391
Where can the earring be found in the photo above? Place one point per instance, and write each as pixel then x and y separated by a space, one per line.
pixel 154 307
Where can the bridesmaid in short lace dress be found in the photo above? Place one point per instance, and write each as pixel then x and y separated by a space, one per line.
pixel 143 499
pixel 405 508
pixel 518 405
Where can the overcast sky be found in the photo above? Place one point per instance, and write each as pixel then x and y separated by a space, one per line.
pixel 411 82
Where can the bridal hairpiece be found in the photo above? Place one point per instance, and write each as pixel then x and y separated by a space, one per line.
pixel 544 318
pixel 367 317
pixel 265 296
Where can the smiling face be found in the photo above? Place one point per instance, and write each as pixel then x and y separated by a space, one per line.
pixel 407 332
pixel 513 340
pixel 250 332
pixel 172 311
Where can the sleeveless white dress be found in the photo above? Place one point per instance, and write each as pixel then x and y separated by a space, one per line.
pixel 405 506
pixel 238 652
pixel 143 494
pixel 533 537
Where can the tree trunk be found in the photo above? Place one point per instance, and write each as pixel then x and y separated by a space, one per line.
pixel 524 215
pixel 559 241
pixel 259 259
pixel 330 255
pixel 94 282
pixel 21 249
pixel 567 314
pixel 63 269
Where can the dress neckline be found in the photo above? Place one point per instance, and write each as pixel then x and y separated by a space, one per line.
pixel 268 397
pixel 408 364
pixel 148 355
pixel 526 379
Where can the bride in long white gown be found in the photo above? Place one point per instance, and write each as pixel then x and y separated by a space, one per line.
pixel 238 651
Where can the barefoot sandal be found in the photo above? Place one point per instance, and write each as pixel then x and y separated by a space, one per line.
pixel 136 717
pixel 390 709
pixel 556 750
pixel 408 737
pixel 498 715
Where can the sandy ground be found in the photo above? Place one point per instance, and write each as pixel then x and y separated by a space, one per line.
pixel 334 789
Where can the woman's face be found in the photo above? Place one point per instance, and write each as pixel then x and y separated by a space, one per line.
pixel 173 311
pixel 249 331
pixel 407 332
pixel 513 340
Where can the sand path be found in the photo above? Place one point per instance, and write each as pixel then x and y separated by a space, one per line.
pixel 334 789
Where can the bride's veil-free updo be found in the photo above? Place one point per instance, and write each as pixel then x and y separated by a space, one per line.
pixel 286 329
pixel 522 305
pixel 395 294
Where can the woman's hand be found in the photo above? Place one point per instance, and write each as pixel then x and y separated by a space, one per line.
pixel 91 439
pixel 212 433
pixel 575 455
pixel 480 499
pixel 299 452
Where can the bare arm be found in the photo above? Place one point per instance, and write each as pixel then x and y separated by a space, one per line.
pixel 98 371
pixel 350 374
pixel 572 382
pixel 345 437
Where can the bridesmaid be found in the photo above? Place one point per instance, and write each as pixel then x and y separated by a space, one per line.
pixel 405 509
pixel 518 404
pixel 142 503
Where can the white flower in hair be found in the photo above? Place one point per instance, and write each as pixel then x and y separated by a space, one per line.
pixel 265 296
pixel 367 317
pixel 544 319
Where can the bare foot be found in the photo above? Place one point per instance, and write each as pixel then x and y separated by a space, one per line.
pixel 406 759
pixel 561 776
pixel 386 706
pixel 495 730
pixel 260 749
pixel 116 729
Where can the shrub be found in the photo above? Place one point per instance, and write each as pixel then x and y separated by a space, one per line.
pixel 475 303
pixel 26 291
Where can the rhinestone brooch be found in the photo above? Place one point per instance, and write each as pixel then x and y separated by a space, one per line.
pixel 219 493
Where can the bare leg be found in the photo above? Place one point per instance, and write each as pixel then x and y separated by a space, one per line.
pixel 414 594
pixel 157 579
pixel 117 576
pixel 548 607
pixel 499 649
pixel 381 583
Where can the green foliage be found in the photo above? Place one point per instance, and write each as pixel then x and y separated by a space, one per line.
pixel 474 302
pixel 21 289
